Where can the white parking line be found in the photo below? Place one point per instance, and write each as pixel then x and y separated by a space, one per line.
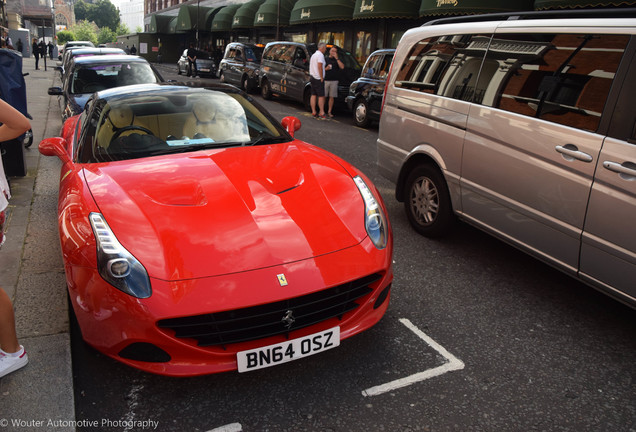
pixel 452 364
pixel 232 427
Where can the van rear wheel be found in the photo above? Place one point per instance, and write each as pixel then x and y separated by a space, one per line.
pixel 427 201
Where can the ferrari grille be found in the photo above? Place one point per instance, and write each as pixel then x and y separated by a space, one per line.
pixel 257 322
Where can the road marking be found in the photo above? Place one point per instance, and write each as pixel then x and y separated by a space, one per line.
pixel 232 427
pixel 452 364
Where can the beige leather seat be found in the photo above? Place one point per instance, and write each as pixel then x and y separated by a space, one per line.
pixel 226 123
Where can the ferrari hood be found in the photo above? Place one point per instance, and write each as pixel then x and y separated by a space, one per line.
pixel 225 211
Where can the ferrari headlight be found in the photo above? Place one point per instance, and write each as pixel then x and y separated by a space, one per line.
pixel 374 219
pixel 115 264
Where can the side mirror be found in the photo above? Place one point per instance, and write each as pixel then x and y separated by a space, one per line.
pixel 291 124
pixel 54 147
pixel 55 91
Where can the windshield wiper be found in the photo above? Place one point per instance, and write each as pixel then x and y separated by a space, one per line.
pixel 266 137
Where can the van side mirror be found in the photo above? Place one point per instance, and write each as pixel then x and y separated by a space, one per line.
pixel 291 124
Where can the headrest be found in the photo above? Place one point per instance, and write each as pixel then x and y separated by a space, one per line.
pixel 203 112
pixel 121 116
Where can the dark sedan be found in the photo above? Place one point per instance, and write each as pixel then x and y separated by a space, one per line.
pixel 70 54
pixel 87 75
pixel 365 93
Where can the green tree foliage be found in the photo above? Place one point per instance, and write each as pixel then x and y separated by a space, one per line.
pixel 83 30
pixel 64 36
pixel 103 13
pixel 122 29
pixel 106 35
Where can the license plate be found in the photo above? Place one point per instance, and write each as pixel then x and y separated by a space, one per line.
pixel 204 70
pixel 284 352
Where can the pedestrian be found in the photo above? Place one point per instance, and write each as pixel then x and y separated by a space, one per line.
pixel 192 61
pixel 36 52
pixel 333 70
pixel 20 46
pixel 12 354
pixel 9 42
pixel 50 47
pixel 317 80
pixel 133 50
pixel 43 50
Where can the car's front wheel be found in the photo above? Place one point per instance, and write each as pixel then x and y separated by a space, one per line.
pixel 427 201
pixel 266 89
pixel 361 114
pixel 178 70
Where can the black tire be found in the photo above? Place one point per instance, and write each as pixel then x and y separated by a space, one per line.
pixel 266 89
pixel 178 70
pixel 28 138
pixel 427 201
pixel 361 114
pixel 245 84
pixel 307 99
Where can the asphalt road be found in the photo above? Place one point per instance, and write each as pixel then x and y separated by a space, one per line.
pixel 477 337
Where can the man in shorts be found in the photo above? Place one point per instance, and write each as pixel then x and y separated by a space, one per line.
pixel 333 68
pixel 317 80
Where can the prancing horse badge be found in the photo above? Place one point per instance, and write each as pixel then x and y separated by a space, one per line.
pixel 282 280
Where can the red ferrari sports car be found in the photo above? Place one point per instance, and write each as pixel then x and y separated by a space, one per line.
pixel 199 236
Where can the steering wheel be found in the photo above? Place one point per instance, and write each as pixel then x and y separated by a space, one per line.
pixel 129 128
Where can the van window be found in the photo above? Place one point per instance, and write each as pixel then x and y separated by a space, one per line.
pixel 562 78
pixel 445 66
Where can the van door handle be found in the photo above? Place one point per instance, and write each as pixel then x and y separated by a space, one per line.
pixel 571 152
pixel 627 170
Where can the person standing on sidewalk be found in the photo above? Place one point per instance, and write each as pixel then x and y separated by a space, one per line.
pixel 317 81
pixel 12 354
pixel 35 49
pixel 332 76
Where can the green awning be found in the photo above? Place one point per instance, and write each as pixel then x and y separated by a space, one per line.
pixel 468 7
pixel 172 26
pixel 267 14
pixel 244 16
pixel 386 9
pixel 188 17
pixel 209 17
pixel 160 23
pixel 307 11
pixel 223 19
pixel 568 4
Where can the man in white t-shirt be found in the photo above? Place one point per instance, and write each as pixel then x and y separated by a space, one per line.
pixel 317 80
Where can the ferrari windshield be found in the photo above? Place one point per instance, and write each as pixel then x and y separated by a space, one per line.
pixel 173 120
pixel 91 78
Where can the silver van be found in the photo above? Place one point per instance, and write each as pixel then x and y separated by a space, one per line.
pixel 524 126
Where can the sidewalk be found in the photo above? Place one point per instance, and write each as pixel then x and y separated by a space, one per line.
pixel 32 273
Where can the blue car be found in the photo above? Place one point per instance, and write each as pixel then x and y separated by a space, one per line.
pixel 87 75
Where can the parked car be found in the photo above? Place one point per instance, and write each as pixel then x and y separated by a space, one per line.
pixel 87 75
pixel 71 44
pixel 204 62
pixel 284 71
pixel 524 128
pixel 193 230
pixel 240 65
pixel 84 52
pixel 365 93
